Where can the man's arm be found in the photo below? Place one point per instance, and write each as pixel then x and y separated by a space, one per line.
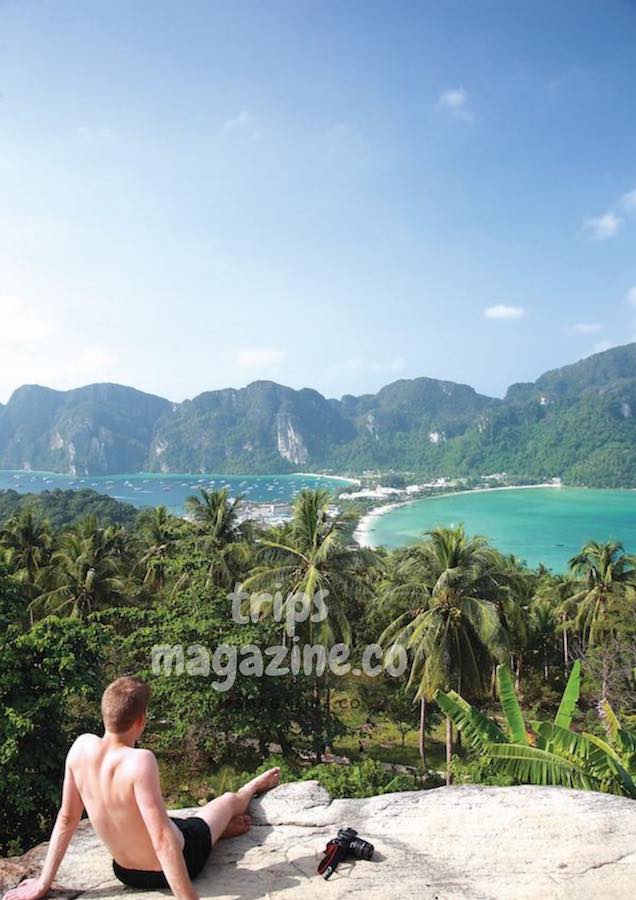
pixel 166 844
pixel 67 821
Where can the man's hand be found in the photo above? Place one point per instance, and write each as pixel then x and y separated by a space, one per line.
pixel 30 889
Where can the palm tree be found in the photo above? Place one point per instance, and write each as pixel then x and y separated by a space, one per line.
pixel 543 626
pixel 27 539
pixel 87 570
pixel 215 513
pixel 452 627
pixel 307 558
pixel 158 534
pixel 513 600
pixel 558 591
pixel 609 582
pixel 220 534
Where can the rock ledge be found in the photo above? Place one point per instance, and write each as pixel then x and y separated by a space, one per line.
pixel 458 842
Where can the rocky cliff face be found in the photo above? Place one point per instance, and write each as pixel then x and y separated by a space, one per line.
pixel 529 843
pixel 577 423
pixel 290 443
pixel 98 429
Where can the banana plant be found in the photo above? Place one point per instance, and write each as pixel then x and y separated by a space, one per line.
pixel 548 752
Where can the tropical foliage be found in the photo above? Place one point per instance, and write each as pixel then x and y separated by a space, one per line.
pixel 83 599
pixel 548 752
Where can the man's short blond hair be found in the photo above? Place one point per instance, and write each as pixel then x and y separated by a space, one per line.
pixel 123 702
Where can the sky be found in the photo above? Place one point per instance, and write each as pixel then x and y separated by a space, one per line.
pixel 334 195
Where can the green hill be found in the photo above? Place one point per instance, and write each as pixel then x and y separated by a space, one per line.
pixel 576 423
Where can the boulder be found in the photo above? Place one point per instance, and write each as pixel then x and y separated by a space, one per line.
pixel 452 842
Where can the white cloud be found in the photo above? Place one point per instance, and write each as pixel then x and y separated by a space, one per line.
pixel 36 349
pixel 259 357
pixel 244 122
pixel 631 295
pixel 629 200
pixel 584 328
pixel 502 311
pixel 603 345
pixel 601 228
pixel 455 102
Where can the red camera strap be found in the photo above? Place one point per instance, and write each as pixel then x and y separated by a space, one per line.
pixel 331 852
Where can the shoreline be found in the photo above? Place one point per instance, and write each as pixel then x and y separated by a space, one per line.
pixel 363 529
pixel 345 478
pixel 168 475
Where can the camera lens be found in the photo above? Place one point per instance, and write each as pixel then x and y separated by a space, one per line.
pixel 361 849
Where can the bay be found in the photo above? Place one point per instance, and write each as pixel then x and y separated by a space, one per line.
pixel 152 489
pixel 539 525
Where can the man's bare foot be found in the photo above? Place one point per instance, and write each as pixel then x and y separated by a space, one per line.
pixel 237 826
pixel 264 782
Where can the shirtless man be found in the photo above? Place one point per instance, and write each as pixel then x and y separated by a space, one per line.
pixel 118 786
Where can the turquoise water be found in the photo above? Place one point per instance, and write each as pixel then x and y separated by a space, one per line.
pixel 172 490
pixel 547 525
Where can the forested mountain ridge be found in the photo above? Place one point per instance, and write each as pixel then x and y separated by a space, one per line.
pixel 98 429
pixel 576 422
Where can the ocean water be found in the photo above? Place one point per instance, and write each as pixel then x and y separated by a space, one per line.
pixel 547 525
pixel 172 490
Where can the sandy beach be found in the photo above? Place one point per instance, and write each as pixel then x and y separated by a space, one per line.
pixel 365 525
pixel 331 477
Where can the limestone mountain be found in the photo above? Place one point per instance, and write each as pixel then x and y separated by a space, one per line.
pixel 99 429
pixel 576 422
pixel 263 427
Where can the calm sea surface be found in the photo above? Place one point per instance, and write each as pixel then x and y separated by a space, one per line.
pixel 547 525
pixel 171 490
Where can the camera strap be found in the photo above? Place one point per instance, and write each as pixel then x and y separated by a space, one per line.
pixel 333 855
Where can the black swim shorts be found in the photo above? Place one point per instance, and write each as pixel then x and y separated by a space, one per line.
pixel 196 849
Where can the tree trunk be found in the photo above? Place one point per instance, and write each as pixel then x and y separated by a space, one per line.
pixel 449 748
pixel 422 730
pixel 493 681
pixel 328 709
pixel 518 672
pixel 283 740
pixel 566 652
pixel 317 723
pixel 546 671
pixel 605 675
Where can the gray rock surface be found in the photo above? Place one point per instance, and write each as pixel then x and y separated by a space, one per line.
pixel 458 842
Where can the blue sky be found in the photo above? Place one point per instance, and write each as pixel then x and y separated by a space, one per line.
pixel 328 194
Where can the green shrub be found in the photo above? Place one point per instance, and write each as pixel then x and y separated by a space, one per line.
pixel 474 769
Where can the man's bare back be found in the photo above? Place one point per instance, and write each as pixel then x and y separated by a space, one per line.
pixel 118 786
pixel 106 773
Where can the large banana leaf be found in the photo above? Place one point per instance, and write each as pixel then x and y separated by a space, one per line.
pixel 510 706
pixel 570 697
pixel 624 741
pixel 589 752
pixel 622 765
pixel 476 728
pixel 532 765
pixel 612 725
